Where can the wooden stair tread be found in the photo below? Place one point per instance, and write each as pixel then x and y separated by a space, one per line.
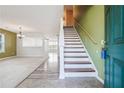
pixel 70 33
pixel 72 40
pixel 77 62
pixel 74 51
pixel 69 30
pixel 66 31
pixel 71 36
pixel 75 56
pixel 68 27
pixel 79 70
pixel 73 44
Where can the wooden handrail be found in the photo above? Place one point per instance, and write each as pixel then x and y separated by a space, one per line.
pixel 87 33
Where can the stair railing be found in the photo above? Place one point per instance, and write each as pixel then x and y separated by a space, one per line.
pixel 61 50
pixel 86 32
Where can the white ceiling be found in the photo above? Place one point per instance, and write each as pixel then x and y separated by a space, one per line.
pixel 44 19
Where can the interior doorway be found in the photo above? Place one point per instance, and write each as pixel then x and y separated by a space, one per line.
pixel 68 15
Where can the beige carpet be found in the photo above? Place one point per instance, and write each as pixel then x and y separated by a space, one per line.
pixel 14 70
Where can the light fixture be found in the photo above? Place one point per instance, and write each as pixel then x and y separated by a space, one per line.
pixel 20 35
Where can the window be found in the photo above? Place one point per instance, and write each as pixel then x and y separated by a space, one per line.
pixel 32 42
pixel 53 45
pixel 2 43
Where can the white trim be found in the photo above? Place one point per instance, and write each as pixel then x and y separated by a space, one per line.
pixel 75 54
pixel 78 66
pixel 74 49
pixel 100 79
pixel 73 46
pixel 7 57
pixel 87 53
pixel 31 56
pixel 2 50
pixel 61 51
pixel 46 57
pixel 76 59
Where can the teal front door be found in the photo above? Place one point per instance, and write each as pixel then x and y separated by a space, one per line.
pixel 114 32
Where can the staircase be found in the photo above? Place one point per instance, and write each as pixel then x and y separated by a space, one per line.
pixel 76 59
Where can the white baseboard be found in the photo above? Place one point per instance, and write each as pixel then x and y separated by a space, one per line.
pixel 7 57
pixel 46 57
pixel 101 80
pixel 78 66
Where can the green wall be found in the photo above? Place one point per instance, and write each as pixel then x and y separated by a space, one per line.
pixel 10 43
pixel 92 18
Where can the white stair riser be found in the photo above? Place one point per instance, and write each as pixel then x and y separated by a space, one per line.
pixel 80 49
pixel 72 42
pixel 69 31
pixel 81 74
pixel 73 45
pixel 75 54
pixel 72 39
pixel 78 66
pixel 76 59
pixel 75 40
pixel 71 36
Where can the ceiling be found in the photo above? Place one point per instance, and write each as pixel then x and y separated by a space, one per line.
pixel 44 19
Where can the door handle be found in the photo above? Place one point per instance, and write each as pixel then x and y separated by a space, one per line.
pixel 103 53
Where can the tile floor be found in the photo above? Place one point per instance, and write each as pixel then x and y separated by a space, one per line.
pixel 16 69
pixel 46 76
